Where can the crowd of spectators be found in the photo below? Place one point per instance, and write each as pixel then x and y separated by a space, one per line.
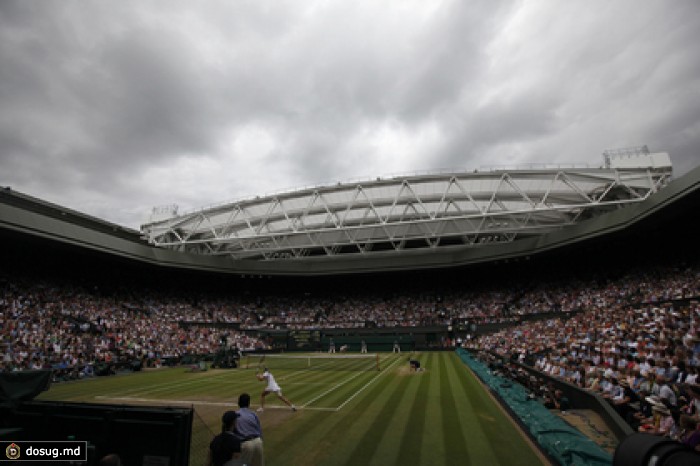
pixel 49 323
pixel 635 325
pixel 635 341
pixel 67 328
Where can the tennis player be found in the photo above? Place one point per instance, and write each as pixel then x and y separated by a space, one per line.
pixel 272 387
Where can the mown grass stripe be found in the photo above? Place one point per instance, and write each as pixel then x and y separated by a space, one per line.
pixel 323 443
pixel 368 445
pixel 335 430
pixel 333 386
pixel 474 412
pixel 458 421
pixel 345 380
pixel 494 427
pixel 429 393
pixel 170 385
pixel 390 368
pixel 415 432
pixel 298 394
pixel 454 442
pixel 353 422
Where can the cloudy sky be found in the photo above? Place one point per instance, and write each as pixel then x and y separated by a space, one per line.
pixel 111 108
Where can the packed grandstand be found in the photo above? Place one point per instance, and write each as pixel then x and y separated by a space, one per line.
pixel 53 324
pixel 615 310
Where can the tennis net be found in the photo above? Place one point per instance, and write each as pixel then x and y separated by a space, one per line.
pixel 330 362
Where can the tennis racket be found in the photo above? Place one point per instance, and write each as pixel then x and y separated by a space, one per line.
pixel 261 366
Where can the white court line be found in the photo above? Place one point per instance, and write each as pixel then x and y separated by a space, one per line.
pixel 305 383
pixel 331 389
pixel 223 377
pixel 193 402
pixel 199 380
pixel 230 376
pixel 168 385
pixel 220 376
pixel 297 373
pixel 367 385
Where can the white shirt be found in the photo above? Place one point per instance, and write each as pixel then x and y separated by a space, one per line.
pixel 271 383
pixel 667 392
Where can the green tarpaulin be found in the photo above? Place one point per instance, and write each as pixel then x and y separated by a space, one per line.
pixel 22 386
pixel 562 442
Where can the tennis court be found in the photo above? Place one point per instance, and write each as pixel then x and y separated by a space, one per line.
pixel 350 412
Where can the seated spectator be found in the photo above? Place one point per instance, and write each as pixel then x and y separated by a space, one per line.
pixel 666 393
pixel 662 422
pixel 691 411
pixel 690 433
pixel 623 402
pixel 88 371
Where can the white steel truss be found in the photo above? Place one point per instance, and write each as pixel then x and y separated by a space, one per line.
pixel 468 209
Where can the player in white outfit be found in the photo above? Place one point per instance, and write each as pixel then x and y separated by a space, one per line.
pixel 272 387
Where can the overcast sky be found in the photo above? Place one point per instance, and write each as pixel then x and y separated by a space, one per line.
pixel 111 108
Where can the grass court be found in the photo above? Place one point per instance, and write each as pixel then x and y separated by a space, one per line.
pixel 440 416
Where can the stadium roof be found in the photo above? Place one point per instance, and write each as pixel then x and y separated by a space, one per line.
pixel 566 206
pixel 456 210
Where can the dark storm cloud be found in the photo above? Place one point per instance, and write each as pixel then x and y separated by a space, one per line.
pixel 156 104
pixel 584 80
pixel 374 70
pixel 112 108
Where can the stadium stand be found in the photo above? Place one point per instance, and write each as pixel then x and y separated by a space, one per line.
pixel 614 313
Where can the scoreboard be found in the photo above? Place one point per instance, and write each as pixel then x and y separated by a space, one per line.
pixel 306 340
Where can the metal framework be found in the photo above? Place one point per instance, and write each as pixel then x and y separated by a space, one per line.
pixel 402 213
